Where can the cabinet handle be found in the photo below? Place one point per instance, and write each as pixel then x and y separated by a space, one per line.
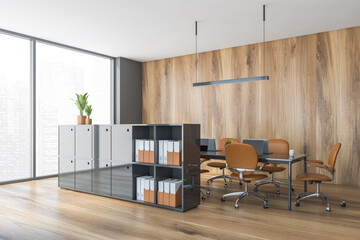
pixel 127 167
pixel 127 129
pixel 107 165
pixel 107 129
pixel 88 163
pixel 71 129
pixel 88 129
pixel 71 161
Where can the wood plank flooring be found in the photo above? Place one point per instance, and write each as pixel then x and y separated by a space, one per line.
pixel 40 210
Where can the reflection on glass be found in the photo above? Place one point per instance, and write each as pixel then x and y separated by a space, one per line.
pixel 14 108
pixel 60 73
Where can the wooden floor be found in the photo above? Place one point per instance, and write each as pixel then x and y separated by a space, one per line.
pixel 40 210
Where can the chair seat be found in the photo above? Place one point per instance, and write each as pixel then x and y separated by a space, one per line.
pixel 249 177
pixel 312 177
pixel 217 164
pixel 204 171
pixel 272 169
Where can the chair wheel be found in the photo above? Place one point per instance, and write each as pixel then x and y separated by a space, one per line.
pixel 297 197
pixel 328 209
pixel 297 204
pixel 208 191
pixel 255 189
pixel 343 204
pixel 292 189
pixel 266 199
pixel 278 191
pixel 236 205
pixel 207 182
pixel 265 206
pixel 223 199
pixel 225 185
pixel 203 197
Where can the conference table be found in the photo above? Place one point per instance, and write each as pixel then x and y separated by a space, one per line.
pixel 272 158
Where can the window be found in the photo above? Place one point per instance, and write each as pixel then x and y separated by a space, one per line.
pixel 15 160
pixel 60 73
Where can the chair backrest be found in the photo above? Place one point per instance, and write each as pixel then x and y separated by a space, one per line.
pixel 239 155
pixel 221 142
pixel 278 146
pixel 332 156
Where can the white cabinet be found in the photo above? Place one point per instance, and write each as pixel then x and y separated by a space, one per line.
pixel 122 143
pixel 66 140
pixel 104 142
pixel 84 142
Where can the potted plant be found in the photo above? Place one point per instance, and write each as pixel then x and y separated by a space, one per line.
pixel 88 111
pixel 81 102
pixel 227 142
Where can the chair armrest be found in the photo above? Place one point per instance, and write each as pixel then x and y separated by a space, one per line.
pixel 322 166
pixel 315 161
pixel 261 167
pixel 241 171
pixel 316 165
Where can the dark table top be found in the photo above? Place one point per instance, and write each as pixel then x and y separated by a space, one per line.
pixel 279 158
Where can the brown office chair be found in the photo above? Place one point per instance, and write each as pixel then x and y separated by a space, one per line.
pixel 202 160
pixel 221 165
pixel 318 178
pixel 275 146
pixel 242 160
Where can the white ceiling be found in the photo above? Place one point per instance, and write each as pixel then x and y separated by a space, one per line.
pixel 145 30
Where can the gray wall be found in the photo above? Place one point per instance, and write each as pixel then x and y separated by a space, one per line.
pixel 127 91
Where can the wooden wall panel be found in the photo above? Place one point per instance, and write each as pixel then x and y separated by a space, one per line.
pixel 312 97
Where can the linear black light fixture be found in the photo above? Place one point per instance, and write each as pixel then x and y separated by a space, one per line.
pixel 237 80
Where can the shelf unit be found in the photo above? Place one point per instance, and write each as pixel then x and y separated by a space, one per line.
pixel 108 160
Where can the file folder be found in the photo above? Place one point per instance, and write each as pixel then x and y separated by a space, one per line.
pixel 175 193
pixel 151 152
pixel 152 191
pixel 161 152
pixel 147 151
pixel 165 152
pixel 170 150
pixel 141 150
pixel 177 153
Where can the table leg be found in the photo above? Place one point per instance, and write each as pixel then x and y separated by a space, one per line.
pixel 289 187
pixel 305 170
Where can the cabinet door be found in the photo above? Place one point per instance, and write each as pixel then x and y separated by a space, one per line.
pixel 84 140
pixel 121 186
pixel 66 172
pixel 122 143
pixel 104 142
pixel 66 141
pixel 83 175
pixel 102 177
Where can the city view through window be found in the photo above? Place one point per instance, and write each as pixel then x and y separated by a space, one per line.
pixel 60 73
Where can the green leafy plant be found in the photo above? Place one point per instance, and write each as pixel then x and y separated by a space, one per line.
pixel 88 110
pixel 227 142
pixel 81 102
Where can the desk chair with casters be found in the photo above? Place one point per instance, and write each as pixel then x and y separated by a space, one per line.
pixel 242 160
pixel 275 146
pixel 318 178
pixel 221 165
pixel 202 160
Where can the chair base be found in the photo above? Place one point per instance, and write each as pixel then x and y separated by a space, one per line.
pixel 271 181
pixel 223 176
pixel 245 193
pixel 203 196
pixel 322 196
